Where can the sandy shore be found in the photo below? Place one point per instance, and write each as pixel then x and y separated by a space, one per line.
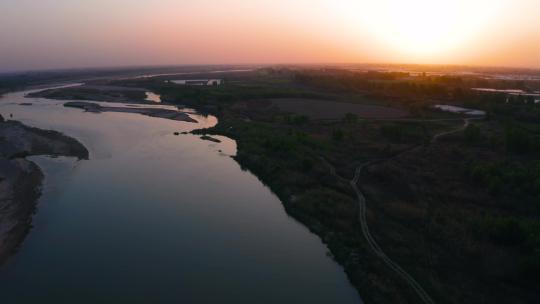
pixel 153 112
pixel 21 179
pixel 106 93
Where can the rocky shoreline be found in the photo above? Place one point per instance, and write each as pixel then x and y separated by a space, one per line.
pixel 21 179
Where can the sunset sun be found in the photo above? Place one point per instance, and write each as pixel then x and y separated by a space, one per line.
pixel 424 27
pixel 269 151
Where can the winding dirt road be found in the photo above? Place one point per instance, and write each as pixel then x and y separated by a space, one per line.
pixel 362 217
pixel 467 122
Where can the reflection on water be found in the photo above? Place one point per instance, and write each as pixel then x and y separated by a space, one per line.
pixel 460 110
pixel 158 218
pixel 199 82
pixel 499 90
pixel 514 92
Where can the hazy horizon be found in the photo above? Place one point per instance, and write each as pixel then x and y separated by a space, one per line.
pixel 59 34
pixel 128 67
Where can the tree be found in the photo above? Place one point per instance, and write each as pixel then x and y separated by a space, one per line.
pixel 392 132
pixel 517 140
pixel 338 135
pixel 350 118
pixel 472 134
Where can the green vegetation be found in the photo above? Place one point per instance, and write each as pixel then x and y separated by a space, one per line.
pixel 492 164
pixel 515 181
pixel 523 238
pixel 338 135
pixel 472 134
pixel 521 141
pixel 287 157
pixel 296 119
pixel 227 94
pixel 459 213
pixel 392 131
pixel 350 118
pixel 289 152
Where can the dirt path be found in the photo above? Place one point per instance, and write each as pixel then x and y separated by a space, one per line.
pixel 362 218
pixel 362 215
pixel 467 122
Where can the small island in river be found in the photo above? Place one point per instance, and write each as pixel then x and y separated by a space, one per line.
pixel 95 92
pixel 153 112
pixel 21 179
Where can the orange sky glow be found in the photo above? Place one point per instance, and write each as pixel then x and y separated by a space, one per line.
pixel 66 33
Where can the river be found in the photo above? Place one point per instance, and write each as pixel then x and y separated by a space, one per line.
pixel 158 218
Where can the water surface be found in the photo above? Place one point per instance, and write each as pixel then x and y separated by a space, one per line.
pixel 514 92
pixel 159 218
pixel 198 82
pixel 460 110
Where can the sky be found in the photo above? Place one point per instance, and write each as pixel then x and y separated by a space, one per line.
pixel 48 34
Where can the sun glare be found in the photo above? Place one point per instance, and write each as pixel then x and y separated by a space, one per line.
pixel 424 27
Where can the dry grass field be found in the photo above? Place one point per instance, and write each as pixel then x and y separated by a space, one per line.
pixel 322 109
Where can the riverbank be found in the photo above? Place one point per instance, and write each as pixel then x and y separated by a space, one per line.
pixel 288 161
pixel 458 213
pixel 21 179
pixel 428 209
pixel 140 166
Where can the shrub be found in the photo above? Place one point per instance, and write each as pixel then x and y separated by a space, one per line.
pixel 338 134
pixel 307 165
pixel 296 119
pixel 513 179
pixel 505 231
pixel 520 141
pixel 392 132
pixel 472 134
pixel 350 118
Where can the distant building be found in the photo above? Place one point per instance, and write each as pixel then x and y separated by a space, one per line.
pixel 199 82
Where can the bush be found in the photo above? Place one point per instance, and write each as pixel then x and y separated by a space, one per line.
pixel 282 144
pixel 296 119
pixel 418 109
pixel 520 141
pixel 307 165
pixel 513 179
pixel 338 135
pixel 472 134
pixel 529 268
pixel 392 132
pixel 505 231
pixel 350 118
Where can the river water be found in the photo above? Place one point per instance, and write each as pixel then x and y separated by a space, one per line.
pixel 158 218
